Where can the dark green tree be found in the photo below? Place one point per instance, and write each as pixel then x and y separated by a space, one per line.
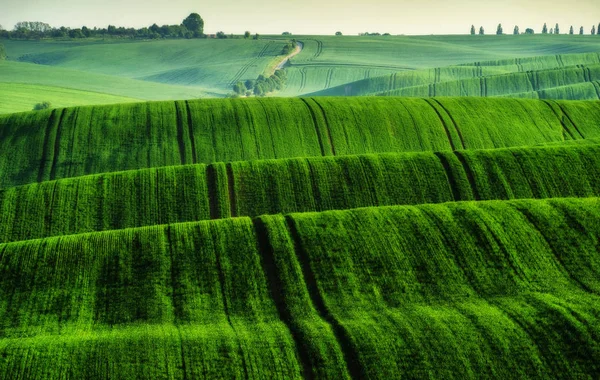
pixel 246 34
pixel 556 29
pixel 593 29
pixel 338 33
pixel 516 30
pixel 221 35
pixel 571 31
pixel 598 30
pixel 581 31
pixel 545 29
pixel 472 30
pixel 481 31
pixel 529 31
pixel 240 88
pixel 194 24
pixel 256 36
pixel 499 30
pixel 42 106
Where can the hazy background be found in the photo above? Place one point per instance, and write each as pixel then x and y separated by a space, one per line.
pixel 311 16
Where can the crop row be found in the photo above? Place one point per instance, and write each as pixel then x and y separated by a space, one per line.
pixel 71 142
pixel 199 192
pixel 496 288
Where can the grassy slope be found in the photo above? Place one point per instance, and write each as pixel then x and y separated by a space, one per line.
pixel 79 141
pixel 18 97
pixel 210 65
pixel 199 192
pixel 334 61
pixel 444 291
pixel 490 78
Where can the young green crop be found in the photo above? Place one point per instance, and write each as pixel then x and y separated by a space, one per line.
pixel 249 188
pixel 443 291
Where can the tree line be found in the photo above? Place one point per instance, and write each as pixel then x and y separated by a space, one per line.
pixel 545 30
pixel 191 27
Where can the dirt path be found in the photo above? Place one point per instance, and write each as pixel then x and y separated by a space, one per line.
pixel 299 46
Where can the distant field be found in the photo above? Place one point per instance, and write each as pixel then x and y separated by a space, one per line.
pixel 187 69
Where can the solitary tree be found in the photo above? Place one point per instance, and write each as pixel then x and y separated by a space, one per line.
pixel 499 30
pixel 571 30
pixel 221 35
pixel 2 53
pixel 42 106
pixel 556 29
pixel 194 24
pixel 598 30
pixel 256 36
pixel 551 30
pixel 481 31
pixel 529 31
pixel 338 33
pixel 581 31
pixel 545 29
pixel 516 30
pixel 472 30
pixel 246 34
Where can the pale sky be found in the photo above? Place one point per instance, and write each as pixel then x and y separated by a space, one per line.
pixel 311 16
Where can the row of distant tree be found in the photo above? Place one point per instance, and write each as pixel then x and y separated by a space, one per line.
pixel 545 30
pixel 191 27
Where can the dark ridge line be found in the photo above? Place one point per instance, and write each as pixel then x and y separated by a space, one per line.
pixel 176 308
pixel 458 132
pixel 565 129
pixel 48 217
pixel 180 141
pixel 56 145
pixel 327 127
pixel 351 357
pixel 528 217
pixel 275 284
pixel 452 146
pixel 100 212
pixel 302 79
pixel 596 88
pixel 314 118
pixel 569 118
pixel 226 310
pixel 44 160
pixel 231 188
pixel 213 190
pixel 470 175
pixel 191 131
pixel 158 198
pixel 148 132
pixel 450 176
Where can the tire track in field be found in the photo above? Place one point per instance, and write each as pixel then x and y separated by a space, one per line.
pixel 328 78
pixel 469 173
pixel 316 124
pixel 302 79
pixel 560 118
pixel 57 145
pixel 191 131
pixel 569 118
pixel 180 140
pixel 456 196
pixel 319 49
pixel 530 220
pixel 327 128
pixel 44 160
pixel 596 85
pixel 458 132
pixel 231 190
pixel 213 191
pixel 275 285
pixel 452 146
pixel 254 61
pixel 351 357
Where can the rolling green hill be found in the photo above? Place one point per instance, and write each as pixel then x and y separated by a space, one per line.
pixel 190 193
pixel 444 291
pixel 334 237
pixel 77 141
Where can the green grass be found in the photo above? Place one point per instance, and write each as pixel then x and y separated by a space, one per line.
pixel 72 142
pixel 250 188
pixel 531 77
pixel 208 65
pixel 329 61
pixel 18 97
pixel 442 291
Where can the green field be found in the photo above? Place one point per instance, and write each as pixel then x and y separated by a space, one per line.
pixel 451 232
pixel 328 65
pixel 72 142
